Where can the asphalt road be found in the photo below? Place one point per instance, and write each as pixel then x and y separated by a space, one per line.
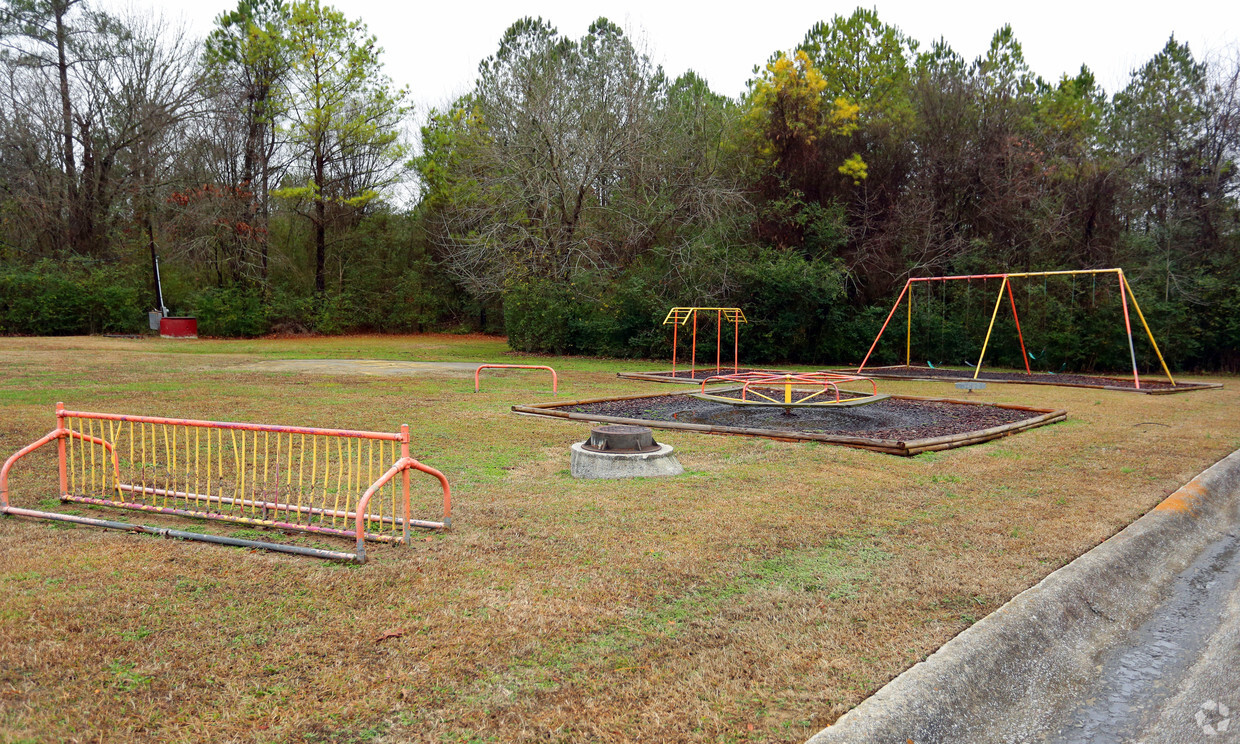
pixel 1176 679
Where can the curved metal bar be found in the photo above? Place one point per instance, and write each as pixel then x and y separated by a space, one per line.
pixel 398 467
pixel 8 464
pixel 555 379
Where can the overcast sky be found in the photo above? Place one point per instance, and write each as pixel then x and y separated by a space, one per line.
pixel 435 47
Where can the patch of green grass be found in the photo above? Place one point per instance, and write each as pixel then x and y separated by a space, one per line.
pixel 125 677
pixel 1004 452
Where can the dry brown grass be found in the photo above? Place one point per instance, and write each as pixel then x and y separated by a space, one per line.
pixel 754 599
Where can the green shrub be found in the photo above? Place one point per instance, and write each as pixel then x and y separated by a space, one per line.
pixel 74 297
pixel 230 311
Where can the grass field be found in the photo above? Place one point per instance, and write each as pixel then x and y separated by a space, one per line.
pixel 755 598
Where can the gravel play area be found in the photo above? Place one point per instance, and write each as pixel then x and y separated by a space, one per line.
pixel 1037 378
pixel 899 425
pixel 893 418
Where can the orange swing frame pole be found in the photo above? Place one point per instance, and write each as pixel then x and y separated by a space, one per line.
pixel 1019 334
pixel 890 315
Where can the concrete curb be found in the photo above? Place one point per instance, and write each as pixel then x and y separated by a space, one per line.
pixel 1006 678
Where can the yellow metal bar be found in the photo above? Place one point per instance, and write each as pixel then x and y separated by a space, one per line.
pixel 1136 306
pixel 991 327
pixel 167 460
pixel 764 397
pixel 356 492
pixel 301 470
pixel 267 450
pixel 680 315
pixel 370 473
pixel 82 452
pixel 142 436
pixel 219 462
pixel 241 471
pixel 812 395
pixel 188 471
pixel 70 453
pixel 276 493
pixel 232 435
pixel 1064 273
pixel 393 489
pixel 112 428
pixel 172 459
pixel 197 462
pixel 288 476
pixel 89 432
pixel 340 458
pixel 327 471
pixel 130 474
pixel 314 470
pixel 254 469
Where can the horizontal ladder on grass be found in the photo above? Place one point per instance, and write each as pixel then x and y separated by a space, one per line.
pixel 320 481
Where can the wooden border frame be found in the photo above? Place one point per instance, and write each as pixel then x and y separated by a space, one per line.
pixel 1179 387
pixel 889 446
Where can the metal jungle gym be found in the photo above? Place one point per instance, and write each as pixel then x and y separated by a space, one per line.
pixel 1125 291
pixel 678 316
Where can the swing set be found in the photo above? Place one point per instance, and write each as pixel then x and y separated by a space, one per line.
pixel 1005 287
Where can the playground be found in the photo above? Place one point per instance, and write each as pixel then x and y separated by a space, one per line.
pixel 758 596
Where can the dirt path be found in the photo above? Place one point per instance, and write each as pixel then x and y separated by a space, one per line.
pixel 361 367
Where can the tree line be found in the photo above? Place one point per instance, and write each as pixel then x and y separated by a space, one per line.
pixel 577 190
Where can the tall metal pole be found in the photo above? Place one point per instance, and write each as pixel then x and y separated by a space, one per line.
pixel 908 338
pixel 991 327
pixel 1019 335
pixel 159 285
pixel 891 314
pixel 675 325
pixel 1123 298
pixel 736 343
pixel 718 338
pixel 1137 306
pixel 693 359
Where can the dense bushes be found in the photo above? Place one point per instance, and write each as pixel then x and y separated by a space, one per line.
pixel 56 299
